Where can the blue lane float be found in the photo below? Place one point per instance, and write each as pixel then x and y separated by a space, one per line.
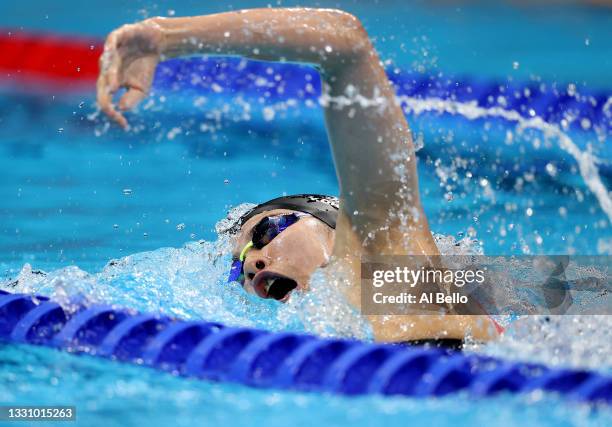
pixel 282 360
pixel 582 108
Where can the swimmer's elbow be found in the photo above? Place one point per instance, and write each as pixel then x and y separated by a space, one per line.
pixel 352 39
pixel 347 19
pixel 351 25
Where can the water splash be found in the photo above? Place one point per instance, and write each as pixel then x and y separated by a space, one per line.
pixel 573 341
pixel 159 284
pixel 191 283
pixel 587 162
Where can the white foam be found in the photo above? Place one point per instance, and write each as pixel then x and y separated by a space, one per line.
pixel 587 162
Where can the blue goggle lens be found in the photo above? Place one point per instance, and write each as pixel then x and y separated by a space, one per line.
pixel 270 227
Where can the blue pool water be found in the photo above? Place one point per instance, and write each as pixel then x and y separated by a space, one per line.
pixel 76 194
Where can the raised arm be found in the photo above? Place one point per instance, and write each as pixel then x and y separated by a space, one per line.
pixel 370 139
pixel 320 37
pixel 380 210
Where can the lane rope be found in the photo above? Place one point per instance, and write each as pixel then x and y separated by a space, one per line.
pixel 72 62
pixel 282 360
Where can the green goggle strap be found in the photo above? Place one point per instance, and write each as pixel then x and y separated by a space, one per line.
pixel 245 250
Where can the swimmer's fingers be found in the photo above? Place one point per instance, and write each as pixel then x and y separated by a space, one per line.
pixel 108 81
pixel 111 60
pixel 105 102
pixel 129 61
pixel 131 98
pixel 138 78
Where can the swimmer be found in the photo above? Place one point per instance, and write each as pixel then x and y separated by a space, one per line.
pixel 281 243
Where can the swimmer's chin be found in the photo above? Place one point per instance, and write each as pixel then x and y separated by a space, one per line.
pixel 272 285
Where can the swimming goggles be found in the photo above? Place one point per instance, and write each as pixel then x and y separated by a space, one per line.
pixel 263 233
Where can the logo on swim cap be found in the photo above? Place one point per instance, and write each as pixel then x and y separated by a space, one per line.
pixel 332 201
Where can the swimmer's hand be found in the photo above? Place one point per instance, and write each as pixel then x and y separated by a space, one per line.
pixel 130 56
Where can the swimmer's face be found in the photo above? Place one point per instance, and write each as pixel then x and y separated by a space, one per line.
pixel 288 261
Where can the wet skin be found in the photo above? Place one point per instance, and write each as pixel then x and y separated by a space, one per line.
pixel 294 254
pixel 371 142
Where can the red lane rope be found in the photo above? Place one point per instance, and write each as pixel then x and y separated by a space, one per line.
pixel 48 58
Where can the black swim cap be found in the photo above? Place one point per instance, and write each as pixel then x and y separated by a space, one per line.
pixel 322 207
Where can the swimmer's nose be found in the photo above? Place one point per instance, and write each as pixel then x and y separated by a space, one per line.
pixel 251 268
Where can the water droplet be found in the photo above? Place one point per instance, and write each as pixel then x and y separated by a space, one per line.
pixel 172 133
pixel 585 123
pixel 268 114
pixel 227 34
pixel 516 65
pixel 171 12
pixel 529 212
pixel 127 191
pixel 226 181
pixel 115 226
pixel 181 226
pixel 328 49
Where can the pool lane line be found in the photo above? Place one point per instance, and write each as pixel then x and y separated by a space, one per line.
pixel 283 360
pixel 60 61
pixel 36 60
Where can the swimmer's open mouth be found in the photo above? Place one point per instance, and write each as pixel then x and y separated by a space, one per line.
pixel 271 285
